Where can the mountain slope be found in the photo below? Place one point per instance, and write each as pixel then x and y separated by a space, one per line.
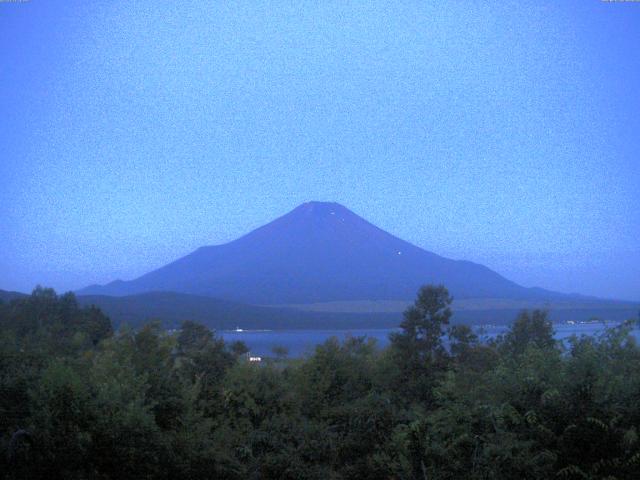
pixel 6 296
pixel 319 252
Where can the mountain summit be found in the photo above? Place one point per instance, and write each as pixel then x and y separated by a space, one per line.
pixel 318 252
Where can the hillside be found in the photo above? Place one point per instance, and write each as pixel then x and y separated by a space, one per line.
pixel 7 296
pixel 319 252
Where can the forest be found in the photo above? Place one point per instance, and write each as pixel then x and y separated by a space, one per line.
pixel 79 400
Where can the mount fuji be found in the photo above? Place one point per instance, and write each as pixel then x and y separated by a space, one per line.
pixel 320 252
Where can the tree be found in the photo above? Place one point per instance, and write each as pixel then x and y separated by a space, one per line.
pixel 418 350
pixel 462 341
pixel 59 424
pixel 148 404
pixel 280 352
pixel 204 357
pixel 529 329
pixel 424 320
pixel 193 337
pixel 238 348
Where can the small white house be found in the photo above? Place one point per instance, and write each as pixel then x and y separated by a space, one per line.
pixel 255 359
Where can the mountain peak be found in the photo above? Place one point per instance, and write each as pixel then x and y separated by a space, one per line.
pixel 313 225
pixel 321 208
pixel 318 252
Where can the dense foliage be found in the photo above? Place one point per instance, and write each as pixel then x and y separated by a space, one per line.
pixel 78 401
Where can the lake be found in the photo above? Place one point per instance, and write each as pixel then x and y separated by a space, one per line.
pixel 301 342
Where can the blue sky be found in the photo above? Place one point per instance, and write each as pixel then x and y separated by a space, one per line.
pixel 505 133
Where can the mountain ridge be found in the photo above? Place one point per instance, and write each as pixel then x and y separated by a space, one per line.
pixel 319 251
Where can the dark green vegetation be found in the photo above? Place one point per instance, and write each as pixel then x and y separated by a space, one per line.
pixel 78 401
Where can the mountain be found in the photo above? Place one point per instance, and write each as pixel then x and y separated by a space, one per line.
pixel 7 296
pixel 319 252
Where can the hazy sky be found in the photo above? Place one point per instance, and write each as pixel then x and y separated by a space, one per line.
pixel 506 132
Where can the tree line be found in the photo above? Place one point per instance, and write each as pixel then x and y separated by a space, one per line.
pixel 80 401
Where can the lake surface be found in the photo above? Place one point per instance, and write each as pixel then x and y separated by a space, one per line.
pixel 301 342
